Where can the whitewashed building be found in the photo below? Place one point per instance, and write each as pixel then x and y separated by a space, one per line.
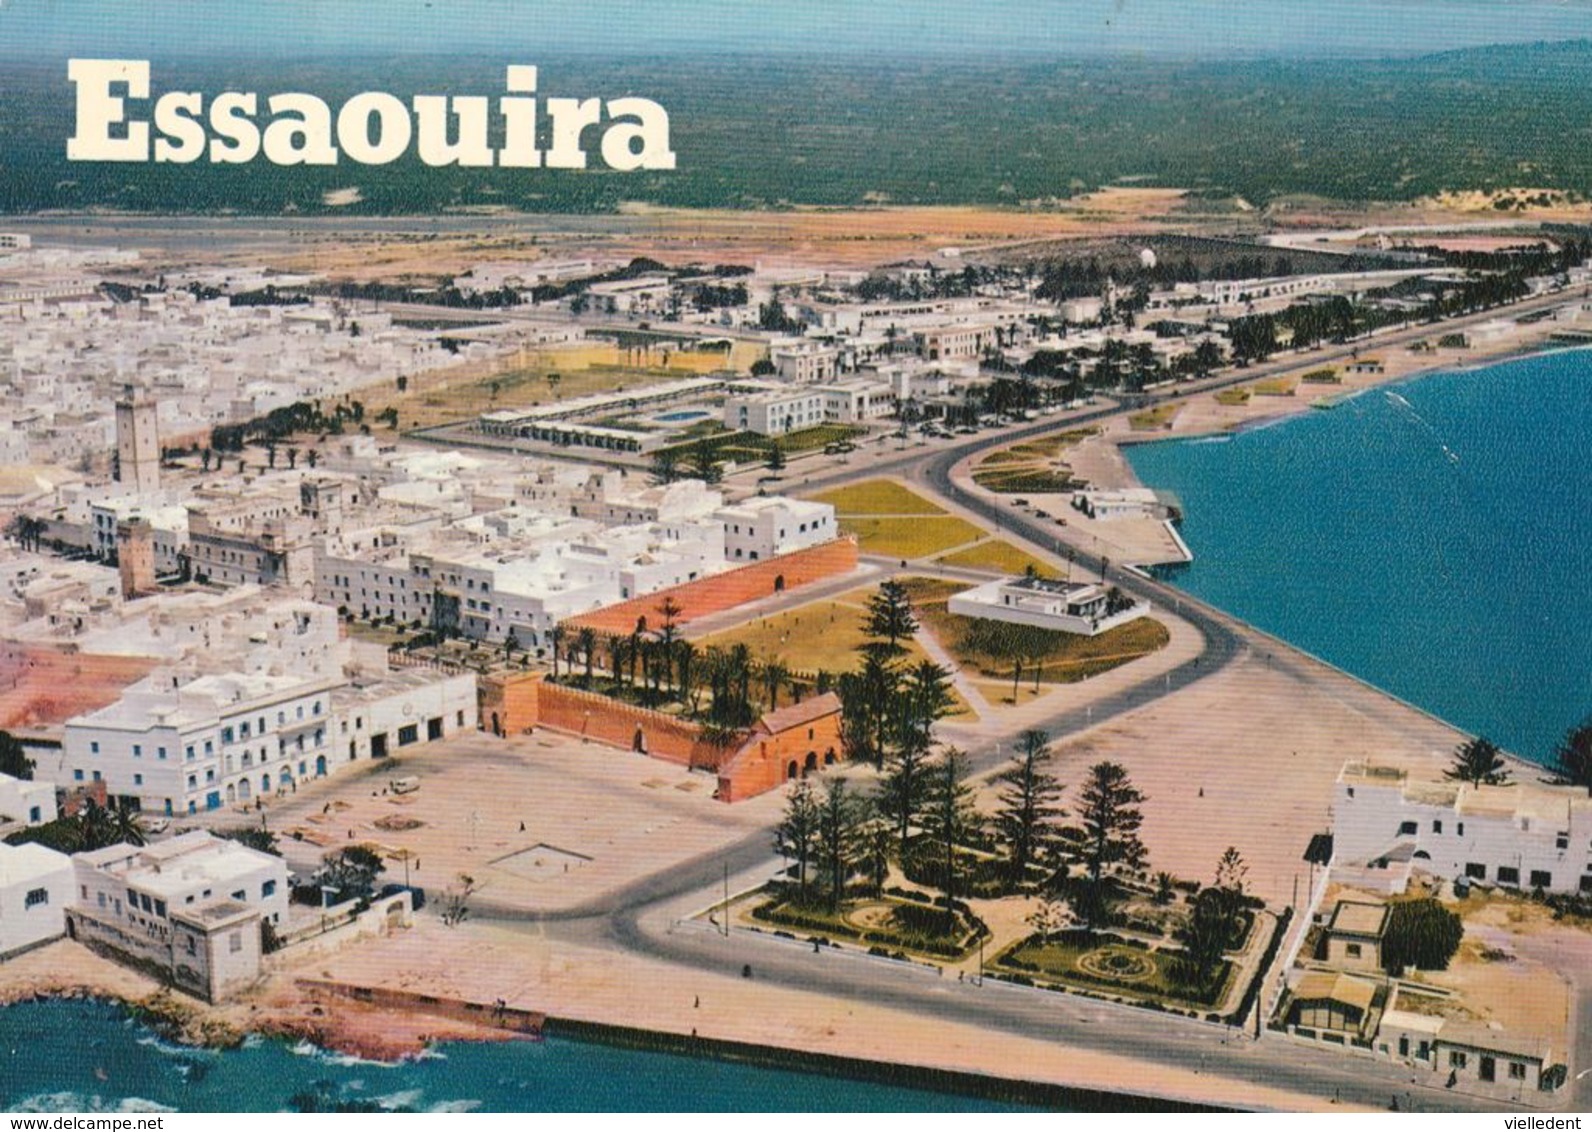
pixel 775 412
pixel 1388 823
pixel 35 889
pixel 1043 603
pixel 192 905
pixel 26 801
pixel 222 728
pixel 761 528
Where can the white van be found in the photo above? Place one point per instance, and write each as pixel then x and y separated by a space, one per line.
pixel 404 785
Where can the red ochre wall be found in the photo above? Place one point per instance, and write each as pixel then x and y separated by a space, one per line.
pixel 522 701
pixel 724 591
pixel 766 762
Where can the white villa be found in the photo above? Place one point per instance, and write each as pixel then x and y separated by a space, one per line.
pixel 192 905
pixel 1044 603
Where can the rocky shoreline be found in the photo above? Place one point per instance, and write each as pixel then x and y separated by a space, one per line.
pixel 279 1010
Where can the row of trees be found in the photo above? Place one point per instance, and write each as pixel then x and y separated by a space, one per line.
pixel 722 687
pixel 929 825
pixel 1480 762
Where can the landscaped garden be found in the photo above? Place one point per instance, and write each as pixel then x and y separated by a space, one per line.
pixel 1160 416
pixel 1033 883
pixel 995 649
pixel 1032 467
pixel 1103 961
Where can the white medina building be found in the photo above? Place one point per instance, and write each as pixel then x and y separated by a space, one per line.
pixel 1389 822
pixel 765 527
pixel 181 741
pixel 35 889
pixel 27 801
pixel 775 412
pixel 489 595
pixel 1044 603
pixel 192 905
pixel 516 573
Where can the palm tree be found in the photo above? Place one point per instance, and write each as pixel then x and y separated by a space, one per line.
pixel 124 828
pixel 95 826
pixel 774 674
pixel 588 647
pixel 555 638
pixel 688 674
pixel 616 658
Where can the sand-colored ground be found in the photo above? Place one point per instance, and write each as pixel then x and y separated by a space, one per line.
pixel 1499 976
pixel 533 970
pixel 1248 758
pixel 594 818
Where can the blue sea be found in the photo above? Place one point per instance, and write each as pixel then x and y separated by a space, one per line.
pixel 1433 537
pixel 80 1056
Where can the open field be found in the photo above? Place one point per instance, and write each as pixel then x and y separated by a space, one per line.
pixel 1161 416
pixel 521 379
pixel 910 537
pixel 1276 387
pixel 877 497
pixel 616 812
pixel 1000 556
pixel 892 520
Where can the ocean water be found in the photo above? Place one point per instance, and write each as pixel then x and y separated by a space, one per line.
pixel 79 1056
pixel 1434 538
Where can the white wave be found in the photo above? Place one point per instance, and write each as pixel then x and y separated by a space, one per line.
pixel 403 1098
pixel 80 1102
pixel 173 1049
pixel 455 1106
pixel 308 1048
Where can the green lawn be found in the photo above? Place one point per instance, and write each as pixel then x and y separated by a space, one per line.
pixel 908 537
pixel 877 497
pixel 1104 962
pixel 1000 556
pixel 1159 417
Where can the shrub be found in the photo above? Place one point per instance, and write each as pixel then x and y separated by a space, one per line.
pixel 1422 934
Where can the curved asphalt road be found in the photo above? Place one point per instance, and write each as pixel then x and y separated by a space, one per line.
pixel 638 918
pixel 643 917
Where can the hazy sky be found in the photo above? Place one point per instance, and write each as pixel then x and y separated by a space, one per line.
pixel 526 29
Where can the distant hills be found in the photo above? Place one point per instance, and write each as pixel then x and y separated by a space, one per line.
pixel 777 131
